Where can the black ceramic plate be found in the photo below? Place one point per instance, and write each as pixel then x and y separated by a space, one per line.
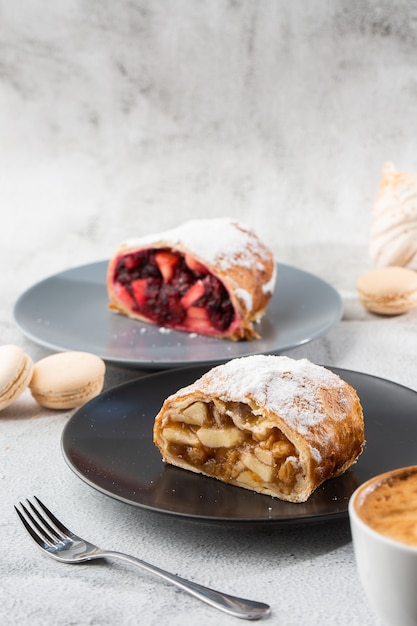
pixel 68 311
pixel 108 444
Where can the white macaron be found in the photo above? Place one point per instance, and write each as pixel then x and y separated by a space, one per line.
pixel 388 290
pixel 66 380
pixel 16 369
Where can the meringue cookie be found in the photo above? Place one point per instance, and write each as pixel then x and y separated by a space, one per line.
pixel 394 226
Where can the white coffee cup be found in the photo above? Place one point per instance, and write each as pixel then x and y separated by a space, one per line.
pixel 387 567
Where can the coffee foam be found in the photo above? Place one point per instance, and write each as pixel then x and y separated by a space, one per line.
pixel 388 505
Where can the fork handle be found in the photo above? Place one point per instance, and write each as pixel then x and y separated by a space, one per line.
pixel 238 607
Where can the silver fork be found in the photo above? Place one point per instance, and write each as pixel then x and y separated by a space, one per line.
pixel 62 544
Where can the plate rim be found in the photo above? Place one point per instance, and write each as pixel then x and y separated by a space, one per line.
pixel 152 364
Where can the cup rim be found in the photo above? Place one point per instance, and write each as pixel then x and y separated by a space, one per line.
pixel 354 516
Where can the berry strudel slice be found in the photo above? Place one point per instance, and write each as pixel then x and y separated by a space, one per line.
pixel 211 277
pixel 270 424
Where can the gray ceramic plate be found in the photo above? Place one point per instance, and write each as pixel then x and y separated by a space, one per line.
pixel 68 311
pixel 108 444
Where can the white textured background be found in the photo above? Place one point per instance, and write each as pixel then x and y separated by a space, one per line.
pixel 125 117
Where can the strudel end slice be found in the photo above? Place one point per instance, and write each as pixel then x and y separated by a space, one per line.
pixel 271 424
pixel 212 277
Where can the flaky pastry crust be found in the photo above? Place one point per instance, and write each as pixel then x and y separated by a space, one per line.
pixel 270 424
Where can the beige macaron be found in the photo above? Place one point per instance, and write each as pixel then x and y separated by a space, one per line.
pixel 16 369
pixel 67 379
pixel 389 290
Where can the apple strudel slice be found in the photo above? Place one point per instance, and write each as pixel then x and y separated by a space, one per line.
pixel 212 277
pixel 271 424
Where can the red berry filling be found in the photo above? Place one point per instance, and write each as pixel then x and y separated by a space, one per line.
pixel 174 290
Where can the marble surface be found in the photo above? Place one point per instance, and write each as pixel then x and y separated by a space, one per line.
pixel 126 118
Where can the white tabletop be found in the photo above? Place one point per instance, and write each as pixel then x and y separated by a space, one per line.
pixel 128 118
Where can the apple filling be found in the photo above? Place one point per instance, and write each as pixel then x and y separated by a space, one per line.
pixel 174 290
pixel 204 436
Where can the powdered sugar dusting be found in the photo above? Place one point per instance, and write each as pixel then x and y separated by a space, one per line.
pixel 285 386
pixel 245 296
pixel 315 454
pixel 220 240
pixel 270 285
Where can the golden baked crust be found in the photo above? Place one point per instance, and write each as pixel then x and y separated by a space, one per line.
pixel 229 251
pixel 270 424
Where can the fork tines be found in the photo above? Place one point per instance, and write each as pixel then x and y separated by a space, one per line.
pixel 41 524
